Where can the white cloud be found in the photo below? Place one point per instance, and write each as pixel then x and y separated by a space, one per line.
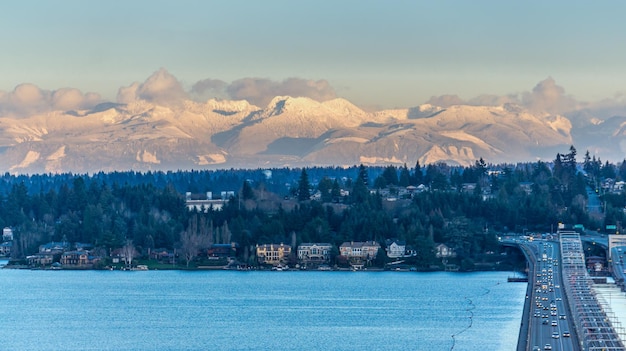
pixel 546 97
pixel 28 99
pixel 161 87
pixel 260 91
pixel 549 97
pixel 209 88
pixel 127 94
pixel 446 100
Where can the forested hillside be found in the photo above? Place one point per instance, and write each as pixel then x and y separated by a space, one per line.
pixel 465 208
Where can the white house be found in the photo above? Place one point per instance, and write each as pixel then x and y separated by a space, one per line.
pixel 395 248
pixel 443 251
pixel 7 234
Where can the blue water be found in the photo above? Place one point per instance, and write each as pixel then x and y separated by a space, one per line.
pixel 224 310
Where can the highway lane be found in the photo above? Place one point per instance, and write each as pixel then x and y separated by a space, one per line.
pixel 561 293
pixel 550 327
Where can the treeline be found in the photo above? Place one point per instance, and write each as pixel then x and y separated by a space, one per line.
pixel 107 210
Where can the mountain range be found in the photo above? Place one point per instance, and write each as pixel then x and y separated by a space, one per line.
pixel 292 132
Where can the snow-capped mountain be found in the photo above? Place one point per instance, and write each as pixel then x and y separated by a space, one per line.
pixel 287 132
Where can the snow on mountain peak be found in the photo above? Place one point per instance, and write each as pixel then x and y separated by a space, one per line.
pixel 229 106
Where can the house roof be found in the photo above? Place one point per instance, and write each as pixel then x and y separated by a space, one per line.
pixel 275 246
pixel 357 244
pixel 316 244
pixel 54 245
pixel 388 242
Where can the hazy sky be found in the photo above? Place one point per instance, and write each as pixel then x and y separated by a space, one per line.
pixel 374 53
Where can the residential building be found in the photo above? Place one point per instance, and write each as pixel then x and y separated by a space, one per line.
pixel 5 248
pixel 468 187
pixel 162 255
pixel 54 247
pixel 204 204
pixel 527 187
pixel 358 252
pixel 314 253
pixel 75 258
pixel 222 250
pixel 40 259
pixel 83 246
pixel 395 248
pixel 273 254
pixel 443 251
pixel 7 234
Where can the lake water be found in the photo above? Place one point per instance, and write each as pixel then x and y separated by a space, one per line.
pixel 226 310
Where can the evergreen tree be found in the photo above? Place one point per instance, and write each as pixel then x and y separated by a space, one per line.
pixel 418 176
pixel 608 171
pixel 622 170
pixel 390 174
pixel 246 191
pixel 405 177
pixel 336 191
pixel 360 191
pixel 587 166
pixel 363 176
pixel 325 186
pixel 304 186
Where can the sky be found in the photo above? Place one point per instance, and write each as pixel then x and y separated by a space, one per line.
pixel 377 54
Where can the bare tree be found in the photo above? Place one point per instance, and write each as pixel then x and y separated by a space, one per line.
pixel 194 238
pixel 225 233
pixel 129 252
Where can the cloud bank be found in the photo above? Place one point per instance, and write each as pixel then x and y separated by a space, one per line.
pixel 165 89
pixel 260 91
pixel 162 87
pixel 28 99
pixel 546 96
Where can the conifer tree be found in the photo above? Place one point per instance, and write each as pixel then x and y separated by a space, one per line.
pixel 304 186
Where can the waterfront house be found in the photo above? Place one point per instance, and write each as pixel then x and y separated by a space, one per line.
pixel 121 255
pixel 359 252
pixel 74 258
pixel 395 248
pixel 273 254
pixel 222 250
pixel 314 253
pixel 443 251
pixel 5 248
pixel 40 259
pixel 7 234
pixel 162 255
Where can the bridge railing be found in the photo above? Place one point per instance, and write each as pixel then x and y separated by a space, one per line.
pixel 593 327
